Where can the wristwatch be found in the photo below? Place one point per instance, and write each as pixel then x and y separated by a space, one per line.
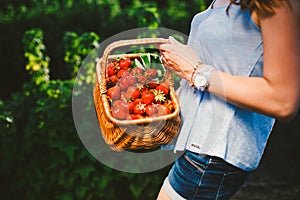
pixel 201 77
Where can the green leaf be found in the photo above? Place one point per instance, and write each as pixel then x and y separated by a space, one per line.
pixel 85 171
pixel 81 191
pixel 139 64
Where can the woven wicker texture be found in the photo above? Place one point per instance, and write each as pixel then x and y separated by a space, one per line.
pixel 143 133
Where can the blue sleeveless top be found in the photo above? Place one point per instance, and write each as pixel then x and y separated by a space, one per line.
pixel 210 125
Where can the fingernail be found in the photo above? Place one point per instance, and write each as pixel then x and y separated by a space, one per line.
pixel 171 37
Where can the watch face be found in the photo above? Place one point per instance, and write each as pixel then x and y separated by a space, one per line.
pixel 200 80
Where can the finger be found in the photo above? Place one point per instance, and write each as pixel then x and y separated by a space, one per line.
pixel 165 61
pixel 164 56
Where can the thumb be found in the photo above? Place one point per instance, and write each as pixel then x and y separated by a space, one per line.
pixel 172 40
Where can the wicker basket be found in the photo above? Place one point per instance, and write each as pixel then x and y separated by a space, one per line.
pixel 146 133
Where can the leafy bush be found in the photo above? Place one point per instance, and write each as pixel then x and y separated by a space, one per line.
pixel 55 18
pixel 41 154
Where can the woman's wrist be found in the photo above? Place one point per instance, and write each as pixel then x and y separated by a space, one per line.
pixel 200 78
pixel 195 69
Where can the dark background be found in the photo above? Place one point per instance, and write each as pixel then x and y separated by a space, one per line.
pixel 276 178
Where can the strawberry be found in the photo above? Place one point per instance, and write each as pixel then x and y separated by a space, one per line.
pixel 129 62
pixel 132 79
pixel 147 98
pixel 141 79
pixel 114 78
pixel 164 87
pixel 123 96
pixel 137 101
pixel 118 113
pixel 151 110
pixel 114 92
pixel 116 103
pixel 124 82
pixel 130 106
pixel 132 93
pixel 132 117
pixel 111 70
pixel 151 73
pixel 122 72
pixel 170 104
pixel 144 90
pixel 136 71
pixel 163 109
pixel 153 84
pixel 125 63
pixel 125 106
pixel 139 109
pixel 165 84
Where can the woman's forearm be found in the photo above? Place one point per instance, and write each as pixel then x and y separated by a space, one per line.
pixel 256 94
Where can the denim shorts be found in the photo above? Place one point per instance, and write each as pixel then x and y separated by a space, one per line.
pixel 195 176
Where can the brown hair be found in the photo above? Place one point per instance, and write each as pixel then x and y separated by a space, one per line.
pixel 264 8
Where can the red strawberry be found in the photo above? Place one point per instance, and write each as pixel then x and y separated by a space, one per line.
pixel 170 104
pixel 163 109
pixel 151 73
pixel 139 109
pixel 130 106
pixel 111 70
pixel 125 106
pixel 141 79
pixel 114 92
pixel 123 72
pixel 116 103
pixel 151 110
pixel 164 87
pixel 132 93
pixel 129 62
pixel 132 79
pixel 118 113
pixel 123 96
pixel 132 117
pixel 137 101
pixel 136 71
pixel 153 84
pixel 125 63
pixel 124 82
pixel 114 78
pixel 147 98
pixel 144 90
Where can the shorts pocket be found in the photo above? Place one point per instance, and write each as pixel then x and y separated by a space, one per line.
pixel 231 183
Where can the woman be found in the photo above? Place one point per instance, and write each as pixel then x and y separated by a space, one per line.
pixel 240 71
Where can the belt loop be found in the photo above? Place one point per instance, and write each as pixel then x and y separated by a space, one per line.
pixel 210 160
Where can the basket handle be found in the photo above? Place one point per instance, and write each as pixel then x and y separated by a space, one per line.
pixel 122 43
pixel 168 75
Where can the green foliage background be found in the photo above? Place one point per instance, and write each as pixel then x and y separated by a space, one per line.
pixel 43 43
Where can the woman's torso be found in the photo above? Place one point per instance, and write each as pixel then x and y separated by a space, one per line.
pixel 233 44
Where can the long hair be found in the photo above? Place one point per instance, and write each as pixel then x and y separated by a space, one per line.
pixel 264 8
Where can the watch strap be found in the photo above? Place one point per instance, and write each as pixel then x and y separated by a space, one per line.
pixel 206 71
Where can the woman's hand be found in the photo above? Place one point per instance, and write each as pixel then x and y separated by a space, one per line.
pixel 179 58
